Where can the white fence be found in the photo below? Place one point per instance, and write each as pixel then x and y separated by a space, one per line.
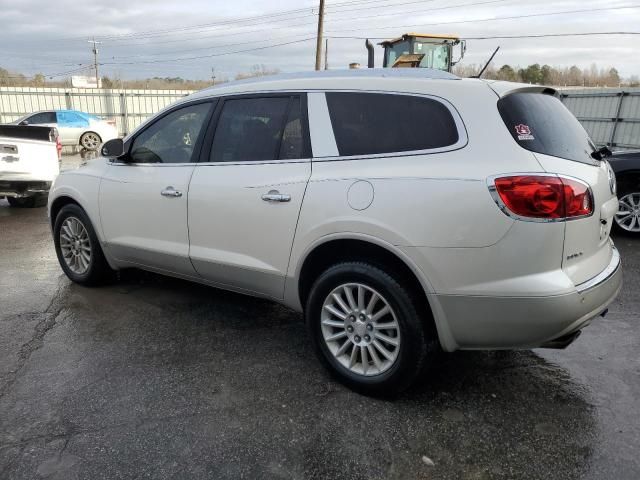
pixel 129 108
pixel 611 116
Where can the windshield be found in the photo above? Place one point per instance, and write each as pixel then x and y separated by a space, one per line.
pixel 435 56
pixel 542 124
pixel 400 48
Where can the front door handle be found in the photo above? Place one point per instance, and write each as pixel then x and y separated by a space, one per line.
pixel 276 196
pixel 171 192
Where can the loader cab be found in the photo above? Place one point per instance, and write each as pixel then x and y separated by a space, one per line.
pixel 425 51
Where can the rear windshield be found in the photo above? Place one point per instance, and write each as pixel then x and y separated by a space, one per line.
pixel 542 124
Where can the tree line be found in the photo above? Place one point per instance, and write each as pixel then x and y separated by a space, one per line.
pixel 554 76
pixel 535 73
pixel 16 79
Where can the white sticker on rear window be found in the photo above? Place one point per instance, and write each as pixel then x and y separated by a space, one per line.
pixel 524 132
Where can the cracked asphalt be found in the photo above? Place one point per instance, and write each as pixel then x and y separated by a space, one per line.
pixel 153 377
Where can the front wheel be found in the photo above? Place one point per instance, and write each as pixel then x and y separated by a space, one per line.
pixel 368 328
pixel 78 248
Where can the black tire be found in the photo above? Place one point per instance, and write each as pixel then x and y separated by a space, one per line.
pixel 91 147
pixel 417 344
pixel 626 186
pixel 28 202
pixel 98 271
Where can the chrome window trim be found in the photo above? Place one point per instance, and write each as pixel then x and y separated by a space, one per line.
pixel 209 164
pixel 606 274
pixel 503 207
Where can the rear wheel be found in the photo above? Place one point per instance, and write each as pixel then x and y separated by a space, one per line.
pixel 368 328
pixel 628 216
pixel 78 248
pixel 90 140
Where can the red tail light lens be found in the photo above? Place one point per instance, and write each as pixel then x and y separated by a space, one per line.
pixel 59 148
pixel 544 197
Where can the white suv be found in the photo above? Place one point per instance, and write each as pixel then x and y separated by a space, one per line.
pixel 401 210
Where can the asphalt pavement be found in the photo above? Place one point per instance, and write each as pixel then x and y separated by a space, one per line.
pixel 153 377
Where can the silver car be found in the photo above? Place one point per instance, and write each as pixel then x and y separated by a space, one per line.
pixel 74 127
pixel 403 211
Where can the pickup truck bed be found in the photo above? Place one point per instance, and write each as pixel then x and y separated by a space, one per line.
pixel 29 162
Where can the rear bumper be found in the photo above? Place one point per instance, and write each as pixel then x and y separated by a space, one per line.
pixel 21 189
pixel 492 322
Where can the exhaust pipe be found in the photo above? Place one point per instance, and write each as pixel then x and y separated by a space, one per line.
pixel 370 54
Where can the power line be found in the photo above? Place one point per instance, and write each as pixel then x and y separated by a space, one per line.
pixel 336 20
pixel 448 7
pixel 512 17
pixel 547 35
pixel 209 47
pixel 180 59
pixel 540 35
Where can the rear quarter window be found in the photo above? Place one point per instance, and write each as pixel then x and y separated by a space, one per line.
pixel 378 123
pixel 541 123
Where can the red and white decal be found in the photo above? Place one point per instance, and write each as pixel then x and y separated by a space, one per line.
pixel 524 132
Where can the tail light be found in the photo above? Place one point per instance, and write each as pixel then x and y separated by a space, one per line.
pixel 544 197
pixel 59 148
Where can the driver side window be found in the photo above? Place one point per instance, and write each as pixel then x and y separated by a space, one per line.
pixel 172 138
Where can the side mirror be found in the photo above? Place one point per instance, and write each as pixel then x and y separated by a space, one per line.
pixel 24 122
pixel 113 148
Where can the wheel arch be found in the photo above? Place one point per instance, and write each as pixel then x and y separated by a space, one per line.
pixel 58 204
pixel 628 177
pixel 336 248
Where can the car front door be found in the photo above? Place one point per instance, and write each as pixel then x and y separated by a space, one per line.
pixel 245 195
pixel 143 195
pixel 41 119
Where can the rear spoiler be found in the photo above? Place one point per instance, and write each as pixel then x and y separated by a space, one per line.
pixel 45 134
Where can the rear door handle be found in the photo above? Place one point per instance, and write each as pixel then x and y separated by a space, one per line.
pixel 276 196
pixel 171 192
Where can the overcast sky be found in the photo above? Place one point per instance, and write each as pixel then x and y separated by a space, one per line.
pixel 146 38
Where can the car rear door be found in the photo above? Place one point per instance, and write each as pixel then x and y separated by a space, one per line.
pixel 540 123
pixel 143 196
pixel 246 194
pixel 70 126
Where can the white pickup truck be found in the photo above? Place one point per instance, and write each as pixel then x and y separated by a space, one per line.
pixel 29 162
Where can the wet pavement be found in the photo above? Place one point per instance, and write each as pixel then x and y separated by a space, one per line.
pixel 153 377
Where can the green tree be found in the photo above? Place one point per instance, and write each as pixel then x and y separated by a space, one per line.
pixel 613 78
pixel 39 80
pixel 546 75
pixel 507 72
pixel 531 74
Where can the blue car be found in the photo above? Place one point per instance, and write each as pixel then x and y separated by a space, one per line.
pixel 74 127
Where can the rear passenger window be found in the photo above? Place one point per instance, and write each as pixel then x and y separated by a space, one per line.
pixel 258 129
pixel 371 123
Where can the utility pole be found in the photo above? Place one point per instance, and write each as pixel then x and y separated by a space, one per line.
pixel 213 76
pixel 95 59
pixel 326 54
pixel 319 39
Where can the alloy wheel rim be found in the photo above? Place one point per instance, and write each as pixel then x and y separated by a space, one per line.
pixel 90 140
pixel 628 216
pixel 360 329
pixel 75 245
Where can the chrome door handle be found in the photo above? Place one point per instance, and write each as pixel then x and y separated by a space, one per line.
pixel 171 192
pixel 276 196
